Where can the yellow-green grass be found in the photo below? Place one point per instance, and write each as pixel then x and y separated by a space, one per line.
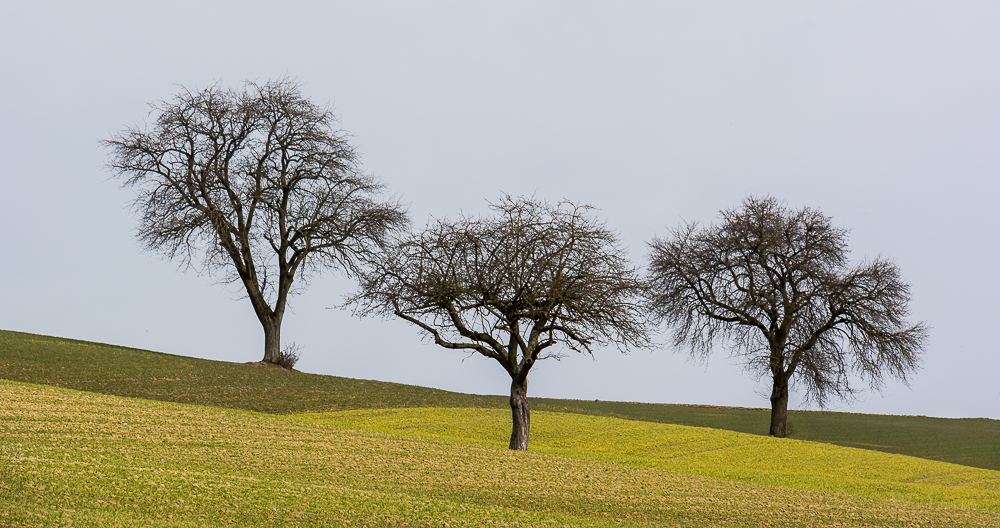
pixel 70 458
pixel 967 441
pixel 123 371
pixel 699 451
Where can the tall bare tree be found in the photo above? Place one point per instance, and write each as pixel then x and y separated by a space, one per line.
pixel 513 286
pixel 258 186
pixel 776 286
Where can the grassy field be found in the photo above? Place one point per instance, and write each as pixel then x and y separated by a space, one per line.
pixel 137 373
pixel 79 458
pixel 121 371
pixel 698 451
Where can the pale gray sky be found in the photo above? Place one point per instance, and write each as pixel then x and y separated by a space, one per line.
pixel 884 115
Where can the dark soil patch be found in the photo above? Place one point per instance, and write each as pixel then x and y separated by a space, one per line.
pixel 265 364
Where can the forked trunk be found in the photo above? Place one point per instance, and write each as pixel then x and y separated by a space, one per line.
pixel 779 406
pixel 272 341
pixel 520 413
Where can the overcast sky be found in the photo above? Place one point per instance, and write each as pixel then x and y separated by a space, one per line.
pixel 884 115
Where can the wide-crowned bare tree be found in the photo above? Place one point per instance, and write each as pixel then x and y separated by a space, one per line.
pixel 256 186
pixel 777 287
pixel 513 286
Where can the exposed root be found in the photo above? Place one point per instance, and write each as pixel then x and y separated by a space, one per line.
pixel 265 364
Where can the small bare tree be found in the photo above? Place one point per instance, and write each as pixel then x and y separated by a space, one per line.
pixel 511 287
pixel 259 187
pixel 776 286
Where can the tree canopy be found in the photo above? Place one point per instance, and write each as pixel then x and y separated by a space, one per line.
pixel 255 186
pixel 776 286
pixel 513 287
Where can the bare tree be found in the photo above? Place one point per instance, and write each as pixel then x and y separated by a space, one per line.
pixel 513 286
pixel 259 187
pixel 776 286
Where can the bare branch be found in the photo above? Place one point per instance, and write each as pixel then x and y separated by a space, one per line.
pixel 775 286
pixel 513 285
pixel 256 186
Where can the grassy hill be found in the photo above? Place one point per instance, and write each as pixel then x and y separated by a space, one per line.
pixel 698 451
pixel 81 458
pixel 137 373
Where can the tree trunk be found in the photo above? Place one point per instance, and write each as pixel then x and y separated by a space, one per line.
pixel 272 340
pixel 520 413
pixel 779 406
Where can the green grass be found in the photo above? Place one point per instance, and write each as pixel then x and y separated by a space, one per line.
pixel 699 451
pixel 969 441
pixel 124 371
pixel 79 458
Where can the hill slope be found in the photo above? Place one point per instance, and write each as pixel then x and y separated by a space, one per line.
pixel 110 369
pixel 77 458
pixel 699 451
